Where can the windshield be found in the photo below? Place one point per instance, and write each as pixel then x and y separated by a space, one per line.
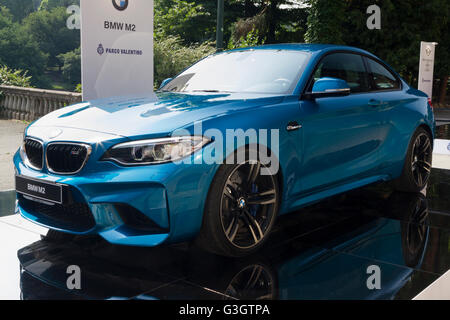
pixel 252 71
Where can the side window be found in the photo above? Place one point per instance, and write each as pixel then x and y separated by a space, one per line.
pixel 382 78
pixel 346 66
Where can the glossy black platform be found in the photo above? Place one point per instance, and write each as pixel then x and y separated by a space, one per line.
pixel 321 252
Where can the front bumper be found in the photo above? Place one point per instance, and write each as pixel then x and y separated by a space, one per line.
pixel 138 206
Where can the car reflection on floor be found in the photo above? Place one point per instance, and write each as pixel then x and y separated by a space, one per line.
pixel 322 253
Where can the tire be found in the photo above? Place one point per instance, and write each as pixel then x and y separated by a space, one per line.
pixel 240 210
pixel 418 163
pixel 414 229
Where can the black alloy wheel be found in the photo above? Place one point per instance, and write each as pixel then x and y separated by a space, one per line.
pixel 247 205
pixel 240 211
pixel 255 282
pixel 421 159
pixel 418 163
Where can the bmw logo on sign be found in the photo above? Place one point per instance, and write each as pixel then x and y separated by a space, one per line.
pixel 448 147
pixel 120 4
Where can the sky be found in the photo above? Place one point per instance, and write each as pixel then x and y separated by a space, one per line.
pixel 294 4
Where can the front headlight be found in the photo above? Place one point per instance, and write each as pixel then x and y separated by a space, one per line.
pixel 155 151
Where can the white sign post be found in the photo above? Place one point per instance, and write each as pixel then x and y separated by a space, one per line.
pixel 426 67
pixel 116 47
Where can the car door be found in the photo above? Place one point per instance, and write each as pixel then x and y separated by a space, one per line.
pixel 388 99
pixel 340 134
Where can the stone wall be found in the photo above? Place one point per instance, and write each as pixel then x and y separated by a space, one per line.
pixel 30 104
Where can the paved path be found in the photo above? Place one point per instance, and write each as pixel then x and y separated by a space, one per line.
pixel 11 135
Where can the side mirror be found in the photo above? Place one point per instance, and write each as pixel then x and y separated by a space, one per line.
pixel 327 88
pixel 166 81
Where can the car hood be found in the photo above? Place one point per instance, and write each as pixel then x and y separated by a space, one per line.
pixel 155 114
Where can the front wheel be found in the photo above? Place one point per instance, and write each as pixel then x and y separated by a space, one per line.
pixel 418 163
pixel 240 210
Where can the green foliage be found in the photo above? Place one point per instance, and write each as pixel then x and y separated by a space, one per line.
pixel 250 40
pixel 49 29
pixel 19 50
pixel 292 26
pixel 324 23
pixel 16 78
pixel 6 17
pixel 172 57
pixel 39 41
pixel 71 65
pixel 180 18
pixel 51 4
pixel 276 21
pixel 194 21
pixel 18 8
pixel 78 88
pixel 404 23
pixel 35 43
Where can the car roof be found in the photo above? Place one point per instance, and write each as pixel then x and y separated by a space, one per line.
pixel 305 47
pixel 317 51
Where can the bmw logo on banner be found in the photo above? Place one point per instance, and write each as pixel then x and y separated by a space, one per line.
pixel 120 4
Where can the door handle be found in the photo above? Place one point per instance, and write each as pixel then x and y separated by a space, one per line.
pixel 293 125
pixel 375 103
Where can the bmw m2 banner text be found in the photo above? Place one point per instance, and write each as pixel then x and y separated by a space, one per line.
pixel 117 47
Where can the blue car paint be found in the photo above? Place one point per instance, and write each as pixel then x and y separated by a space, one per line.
pixel 323 84
pixel 341 271
pixel 339 148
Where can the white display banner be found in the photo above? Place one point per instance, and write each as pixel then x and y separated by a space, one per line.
pixel 426 67
pixel 116 47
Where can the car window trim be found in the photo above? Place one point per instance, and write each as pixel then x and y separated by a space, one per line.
pixel 372 81
pixel 363 56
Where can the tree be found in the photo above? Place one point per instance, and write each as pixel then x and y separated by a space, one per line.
pixel 195 20
pixel 71 65
pixel 442 69
pixel 49 29
pixel 252 39
pixel 181 18
pixel 274 20
pixel 18 8
pixel 325 19
pixel 404 23
pixel 51 4
pixel 18 50
pixel 6 18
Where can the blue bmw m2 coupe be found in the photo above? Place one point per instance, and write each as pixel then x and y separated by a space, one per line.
pixel 225 147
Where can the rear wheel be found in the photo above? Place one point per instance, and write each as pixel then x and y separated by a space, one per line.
pixel 415 227
pixel 417 167
pixel 241 208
